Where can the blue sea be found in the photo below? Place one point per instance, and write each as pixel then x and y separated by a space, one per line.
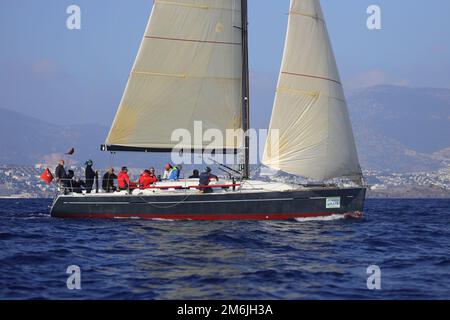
pixel 409 240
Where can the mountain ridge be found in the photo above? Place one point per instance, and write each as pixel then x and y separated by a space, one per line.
pixel 396 128
pixel 27 140
pixel 401 128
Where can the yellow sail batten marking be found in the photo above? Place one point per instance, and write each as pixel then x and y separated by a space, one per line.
pixel 219 78
pixel 314 16
pixel 313 94
pixel 182 76
pixel 189 5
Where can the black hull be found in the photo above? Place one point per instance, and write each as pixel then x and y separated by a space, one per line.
pixel 230 206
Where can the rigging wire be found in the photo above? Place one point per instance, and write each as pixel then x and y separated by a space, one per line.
pixel 186 197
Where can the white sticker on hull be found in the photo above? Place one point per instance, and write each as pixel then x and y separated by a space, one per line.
pixel 333 203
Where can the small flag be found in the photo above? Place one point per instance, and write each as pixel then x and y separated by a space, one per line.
pixel 47 176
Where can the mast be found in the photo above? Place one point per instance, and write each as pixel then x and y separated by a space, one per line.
pixel 245 90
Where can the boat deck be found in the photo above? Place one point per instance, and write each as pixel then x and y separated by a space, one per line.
pixel 191 187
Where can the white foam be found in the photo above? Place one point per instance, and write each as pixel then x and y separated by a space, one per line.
pixel 332 217
pixel 128 218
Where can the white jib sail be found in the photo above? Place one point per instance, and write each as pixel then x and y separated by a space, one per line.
pixel 315 138
pixel 188 68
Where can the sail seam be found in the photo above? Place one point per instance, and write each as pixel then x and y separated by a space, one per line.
pixel 197 6
pixel 189 5
pixel 298 91
pixel 183 76
pixel 193 40
pixel 309 15
pixel 310 76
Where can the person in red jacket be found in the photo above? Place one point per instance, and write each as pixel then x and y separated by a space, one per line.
pixel 146 179
pixel 123 180
pixel 153 177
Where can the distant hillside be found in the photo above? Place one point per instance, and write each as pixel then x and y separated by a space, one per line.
pixel 400 128
pixel 396 128
pixel 25 140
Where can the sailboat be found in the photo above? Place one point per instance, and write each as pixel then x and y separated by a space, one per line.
pixel 192 66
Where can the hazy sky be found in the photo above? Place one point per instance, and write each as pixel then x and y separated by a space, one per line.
pixel 78 76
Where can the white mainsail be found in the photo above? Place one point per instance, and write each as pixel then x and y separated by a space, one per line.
pixel 315 138
pixel 188 68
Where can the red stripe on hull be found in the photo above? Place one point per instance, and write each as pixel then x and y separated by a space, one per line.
pixel 272 216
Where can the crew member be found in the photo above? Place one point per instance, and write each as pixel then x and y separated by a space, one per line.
pixel 60 172
pixel 174 174
pixel 146 180
pixel 90 176
pixel 195 175
pixel 61 176
pixel 74 185
pixel 167 170
pixel 205 179
pixel 108 181
pixel 153 177
pixel 123 180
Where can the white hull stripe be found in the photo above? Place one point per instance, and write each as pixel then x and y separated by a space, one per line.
pixel 181 201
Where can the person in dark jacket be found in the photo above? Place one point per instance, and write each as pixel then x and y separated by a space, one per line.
pixel 90 176
pixel 195 175
pixel 108 181
pixel 60 172
pixel 74 185
pixel 61 176
pixel 205 179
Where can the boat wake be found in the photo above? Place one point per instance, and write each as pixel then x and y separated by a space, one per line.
pixel 333 217
pixel 34 216
pixel 128 218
